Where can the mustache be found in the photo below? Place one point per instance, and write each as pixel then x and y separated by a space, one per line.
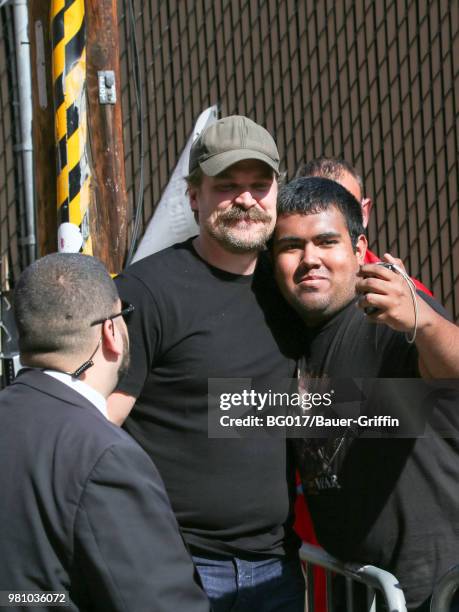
pixel 242 214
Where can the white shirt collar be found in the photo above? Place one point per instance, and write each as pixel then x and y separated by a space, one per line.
pixel 82 388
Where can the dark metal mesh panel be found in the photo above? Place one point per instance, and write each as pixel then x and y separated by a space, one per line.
pixel 10 161
pixel 374 81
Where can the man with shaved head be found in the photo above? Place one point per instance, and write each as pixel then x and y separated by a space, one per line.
pixel 85 520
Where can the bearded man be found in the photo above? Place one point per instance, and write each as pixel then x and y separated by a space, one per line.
pixel 209 308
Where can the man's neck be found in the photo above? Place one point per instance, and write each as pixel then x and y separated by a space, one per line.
pixel 214 254
pixel 316 321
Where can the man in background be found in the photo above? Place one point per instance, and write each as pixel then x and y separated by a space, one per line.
pixel 83 509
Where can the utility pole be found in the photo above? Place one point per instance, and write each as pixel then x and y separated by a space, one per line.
pixel 77 128
pixel 109 223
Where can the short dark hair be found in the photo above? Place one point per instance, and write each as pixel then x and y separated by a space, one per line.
pixel 311 195
pixel 330 167
pixel 55 301
pixel 194 179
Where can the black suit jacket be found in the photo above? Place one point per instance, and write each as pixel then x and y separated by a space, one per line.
pixel 83 508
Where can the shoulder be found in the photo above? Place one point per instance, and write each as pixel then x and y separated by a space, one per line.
pixel 98 451
pixel 98 430
pixel 73 436
pixel 151 283
pixel 147 270
pixel 87 434
pixel 122 456
pixel 365 337
pixel 102 448
pixel 354 323
pixel 61 414
pixel 385 351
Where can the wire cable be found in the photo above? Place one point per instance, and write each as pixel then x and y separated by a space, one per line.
pixel 412 289
pixel 135 67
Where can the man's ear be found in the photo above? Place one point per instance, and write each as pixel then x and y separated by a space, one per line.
pixel 361 249
pixel 366 205
pixel 111 337
pixel 192 194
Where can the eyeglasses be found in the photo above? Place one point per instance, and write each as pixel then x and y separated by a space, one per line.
pixel 127 309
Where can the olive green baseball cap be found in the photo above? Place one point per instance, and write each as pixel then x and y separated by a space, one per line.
pixel 231 140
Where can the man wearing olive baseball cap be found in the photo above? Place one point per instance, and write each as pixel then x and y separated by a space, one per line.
pixel 208 308
pixel 239 158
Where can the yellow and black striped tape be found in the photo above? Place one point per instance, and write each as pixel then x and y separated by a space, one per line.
pixel 69 83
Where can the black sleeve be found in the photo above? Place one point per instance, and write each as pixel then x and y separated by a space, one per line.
pixel 432 302
pixel 399 358
pixel 144 326
pixel 127 541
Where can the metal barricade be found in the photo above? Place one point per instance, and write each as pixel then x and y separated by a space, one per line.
pixel 445 590
pixel 373 577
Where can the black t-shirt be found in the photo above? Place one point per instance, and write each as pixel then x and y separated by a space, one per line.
pixel 193 322
pixel 391 502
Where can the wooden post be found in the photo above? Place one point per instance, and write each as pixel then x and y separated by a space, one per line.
pixel 109 219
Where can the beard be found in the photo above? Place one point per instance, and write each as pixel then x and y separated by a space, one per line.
pixel 125 359
pixel 226 231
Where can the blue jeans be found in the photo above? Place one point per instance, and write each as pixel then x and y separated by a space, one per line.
pixel 268 585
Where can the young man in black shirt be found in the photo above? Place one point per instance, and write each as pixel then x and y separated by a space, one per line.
pixel 205 309
pixel 387 502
